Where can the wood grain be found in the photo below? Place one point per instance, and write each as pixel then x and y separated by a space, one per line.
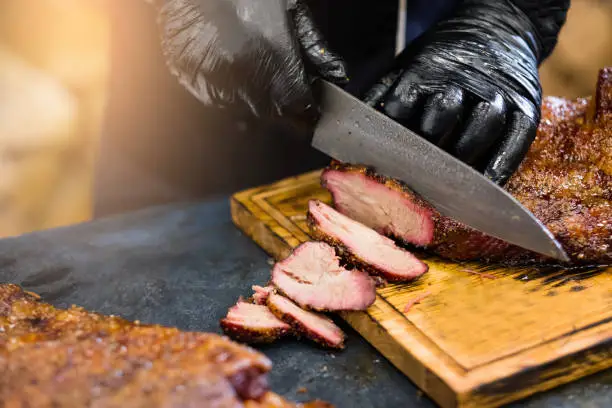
pixel 484 335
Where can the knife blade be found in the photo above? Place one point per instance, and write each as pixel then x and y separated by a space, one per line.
pixel 352 132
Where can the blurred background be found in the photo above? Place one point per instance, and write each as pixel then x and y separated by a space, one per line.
pixel 54 62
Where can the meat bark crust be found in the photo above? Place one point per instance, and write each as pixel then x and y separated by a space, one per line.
pixel 565 180
pixel 253 323
pixel 70 357
pixel 313 278
pixel 362 246
pixel 314 326
pixel 366 197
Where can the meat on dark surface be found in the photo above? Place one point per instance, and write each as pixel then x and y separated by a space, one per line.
pixel 253 323
pixel 362 246
pixel 73 358
pixel 312 325
pixel 272 316
pixel 313 278
pixel 565 181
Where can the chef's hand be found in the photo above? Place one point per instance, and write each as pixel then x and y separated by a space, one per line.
pixel 248 55
pixel 471 85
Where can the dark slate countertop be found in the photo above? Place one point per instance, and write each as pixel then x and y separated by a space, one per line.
pixel 184 265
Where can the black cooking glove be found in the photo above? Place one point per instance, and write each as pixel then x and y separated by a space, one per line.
pixel 470 84
pixel 248 55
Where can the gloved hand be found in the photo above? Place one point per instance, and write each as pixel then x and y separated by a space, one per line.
pixel 470 84
pixel 248 55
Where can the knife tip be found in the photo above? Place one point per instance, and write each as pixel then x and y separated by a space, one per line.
pixel 559 253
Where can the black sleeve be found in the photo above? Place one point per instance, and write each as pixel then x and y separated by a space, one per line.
pixel 537 22
pixel 547 17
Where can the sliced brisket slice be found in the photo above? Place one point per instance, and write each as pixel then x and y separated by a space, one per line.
pixel 315 326
pixel 251 323
pixel 261 293
pixel 313 278
pixel 362 246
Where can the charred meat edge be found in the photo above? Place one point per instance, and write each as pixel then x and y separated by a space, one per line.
pixel 303 328
pixel 351 258
pixel 304 306
pixel 245 333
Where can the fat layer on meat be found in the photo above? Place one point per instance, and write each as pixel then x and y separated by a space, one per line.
pixel 362 246
pixel 314 326
pixel 313 278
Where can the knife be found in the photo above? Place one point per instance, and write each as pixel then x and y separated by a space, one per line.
pixel 352 132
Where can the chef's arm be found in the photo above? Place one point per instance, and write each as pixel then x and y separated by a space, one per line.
pixel 547 17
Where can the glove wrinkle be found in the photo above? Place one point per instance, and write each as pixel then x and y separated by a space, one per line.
pixel 326 63
pixel 248 56
pixel 547 16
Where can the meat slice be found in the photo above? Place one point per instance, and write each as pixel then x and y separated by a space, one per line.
pixel 380 203
pixel 252 323
pixel 565 180
pixel 273 316
pixel 314 326
pixel 313 278
pixel 261 293
pixel 362 246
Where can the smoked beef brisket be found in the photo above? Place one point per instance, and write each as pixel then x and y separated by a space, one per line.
pixel 73 358
pixel 253 323
pixel 565 180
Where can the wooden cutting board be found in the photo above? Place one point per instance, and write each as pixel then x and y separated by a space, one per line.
pixel 482 335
